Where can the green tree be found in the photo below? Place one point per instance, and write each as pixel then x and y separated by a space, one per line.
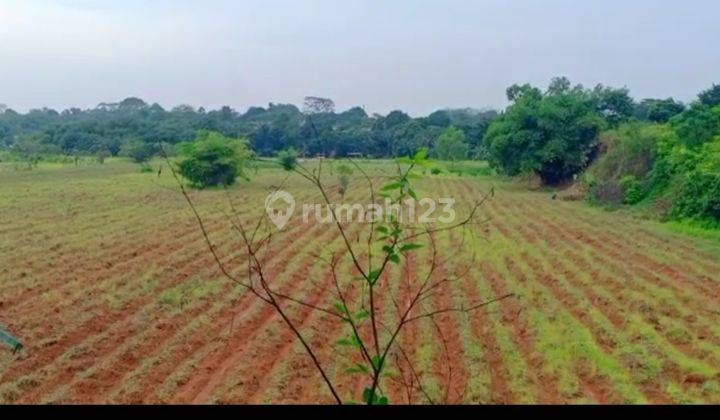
pixel 710 97
pixel 451 145
pixel 138 151
pixel 698 124
pixel 551 134
pixel 615 105
pixel 659 110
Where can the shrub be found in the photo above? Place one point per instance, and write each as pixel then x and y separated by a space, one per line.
pixel 697 125
pixel 629 162
pixel 288 158
pixel 101 155
pixel 344 173
pixel 214 159
pixel 698 196
pixel 697 187
pixel 138 151
pixel 632 189
pixel 145 168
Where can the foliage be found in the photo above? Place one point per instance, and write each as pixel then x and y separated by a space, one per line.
pixel 630 153
pixel 451 145
pixel 697 183
pixel 658 110
pixel 697 125
pixel 711 96
pixel 288 159
pixel 677 163
pixel 552 134
pixel 344 172
pixel 317 129
pixel 101 155
pixel 138 151
pixel 213 159
pixel 632 189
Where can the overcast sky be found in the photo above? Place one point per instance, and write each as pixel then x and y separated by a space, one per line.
pixel 415 55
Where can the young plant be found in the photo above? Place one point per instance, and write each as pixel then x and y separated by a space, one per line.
pixel 344 173
pixel 373 343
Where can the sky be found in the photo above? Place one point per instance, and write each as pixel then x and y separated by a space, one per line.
pixel 414 55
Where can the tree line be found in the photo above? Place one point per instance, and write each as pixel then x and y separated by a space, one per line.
pixel 657 150
pixel 316 129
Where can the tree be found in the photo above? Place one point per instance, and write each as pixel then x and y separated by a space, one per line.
pixel 451 145
pixel 138 151
pixel 552 135
pixel 710 97
pixel 213 159
pixel 132 103
pixel 559 85
pixel 515 92
pixel 439 118
pixel 372 344
pixel 658 110
pixel 699 124
pixel 317 105
pixel 615 105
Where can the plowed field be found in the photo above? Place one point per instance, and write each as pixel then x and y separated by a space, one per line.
pixel 105 278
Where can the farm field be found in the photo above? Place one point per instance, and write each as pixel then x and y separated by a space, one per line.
pixel 107 281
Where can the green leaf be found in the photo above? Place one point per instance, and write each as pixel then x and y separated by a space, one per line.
pixel 362 314
pixel 376 362
pixel 412 194
pixel 373 275
pixel 382 228
pixel 391 186
pixel 344 342
pixel 388 249
pixel 420 155
pixel 367 395
pixel 370 396
pixel 358 368
pixel 409 246
pixel 341 308
pixel 394 258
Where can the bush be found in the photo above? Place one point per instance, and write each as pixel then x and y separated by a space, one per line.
pixel 214 159
pixel 101 155
pixel 145 168
pixel 288 158
pixel 138 151
pixel 697 183
pixel 698 196
pixel 632 189
pixel 344 172
pixel 629 162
